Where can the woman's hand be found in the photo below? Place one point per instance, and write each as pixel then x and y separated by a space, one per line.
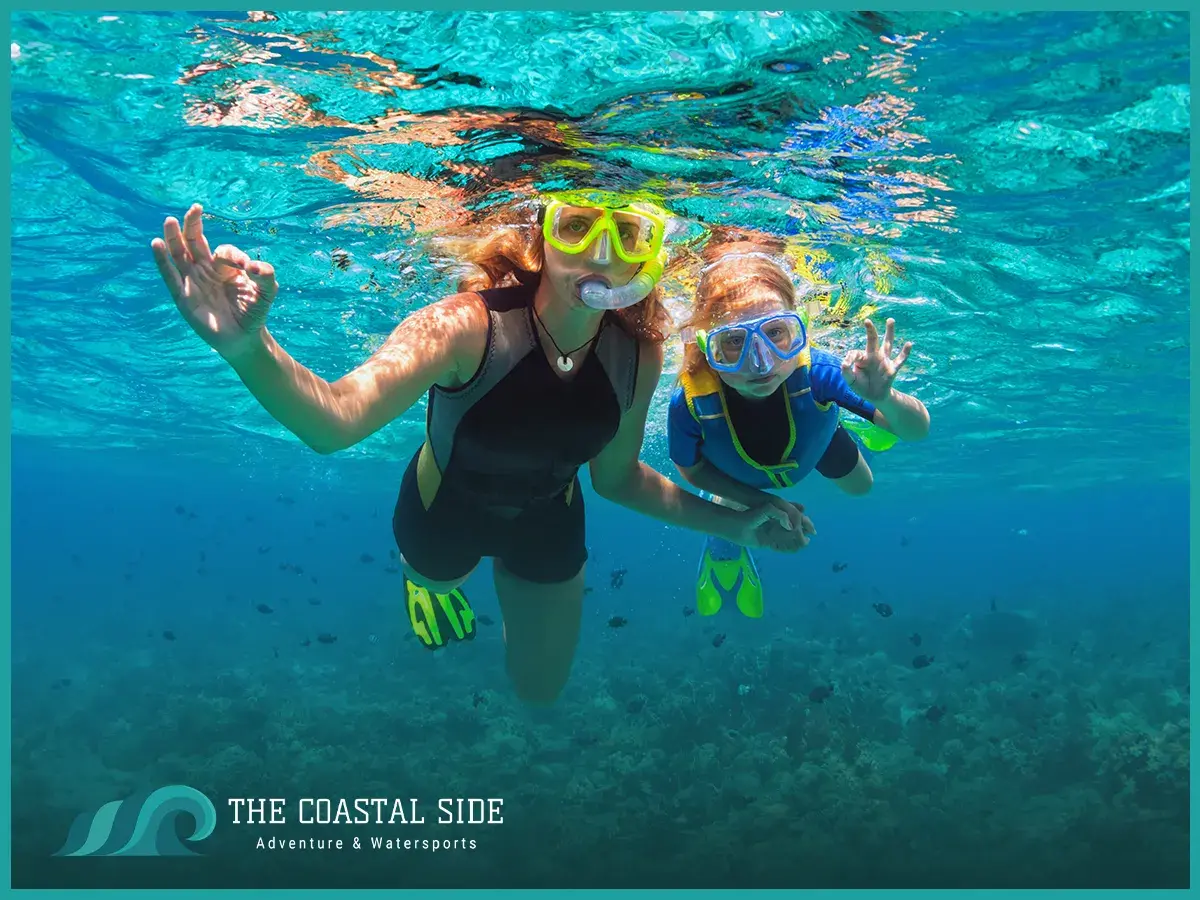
pixel 871 372
pixel 771 526
pixel 224 296
pixel 797 520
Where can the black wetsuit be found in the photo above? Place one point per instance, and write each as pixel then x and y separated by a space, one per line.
pixel 508 445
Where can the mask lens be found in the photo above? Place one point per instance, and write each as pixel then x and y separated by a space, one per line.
pixel 728 345
pixel 572 224
pixel 786 333
pixel 636 233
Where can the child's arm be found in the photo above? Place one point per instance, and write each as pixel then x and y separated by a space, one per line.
pixel 869 374
pixel 903 415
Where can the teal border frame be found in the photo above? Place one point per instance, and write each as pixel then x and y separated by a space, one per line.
pixel 6 409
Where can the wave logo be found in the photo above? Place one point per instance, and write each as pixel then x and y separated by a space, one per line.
pixel 142 825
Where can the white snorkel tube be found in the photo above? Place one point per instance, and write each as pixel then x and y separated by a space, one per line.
pixel 598 295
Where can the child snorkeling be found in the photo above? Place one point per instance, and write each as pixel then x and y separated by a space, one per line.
pixel 757 407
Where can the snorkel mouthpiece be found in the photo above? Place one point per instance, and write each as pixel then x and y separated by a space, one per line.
pixel 601 296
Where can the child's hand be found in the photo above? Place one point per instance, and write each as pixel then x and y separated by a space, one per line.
pixel 871 372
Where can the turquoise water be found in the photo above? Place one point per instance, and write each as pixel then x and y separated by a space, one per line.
pixel 1013 189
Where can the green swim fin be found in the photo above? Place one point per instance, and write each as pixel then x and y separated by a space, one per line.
pixel 438 618
pixel 728 570
pixel 874 438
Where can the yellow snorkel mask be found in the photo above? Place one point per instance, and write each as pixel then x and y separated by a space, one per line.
pixel 632 230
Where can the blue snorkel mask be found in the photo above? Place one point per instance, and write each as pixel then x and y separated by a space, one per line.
pixel 757 345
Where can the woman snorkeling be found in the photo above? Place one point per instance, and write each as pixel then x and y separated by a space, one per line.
pixel 545 360
pixel 757 407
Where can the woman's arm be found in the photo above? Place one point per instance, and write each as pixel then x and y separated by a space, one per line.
pixel 441 343
pixel 619 475
pixel 707 477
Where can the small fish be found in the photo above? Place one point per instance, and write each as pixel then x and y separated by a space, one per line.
pixel 314 601
pixel 903 541
pixel 275 650
pixel 485 620
pixel 587 590
pixel 326 638
pixel 392 570
pixel 618 622
pixel 788 67
pixel 168 635
pixel 718 640
pixel 305 642
pixel 617 577
pixel 821 694
pixel 920 662
pixel 688 611
pixel 914 639
pixel 203 556
pixel 180 511
pixel 840 567
pixel 286 501
pixel 61 683
pixel 320 523
pixel 264 609
pixel 392 554
pixel 935 713
pixel 366 558
pixel 1020 661
pixel 993 604
pixel 476 700
pixel 264 549
pixel 884 609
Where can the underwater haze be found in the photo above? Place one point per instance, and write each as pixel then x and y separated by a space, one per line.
pixel 976 676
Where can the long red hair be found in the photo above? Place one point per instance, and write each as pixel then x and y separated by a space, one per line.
pixel 513 251
pixel 726 282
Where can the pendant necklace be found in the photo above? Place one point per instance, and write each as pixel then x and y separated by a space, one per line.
pixel 564 361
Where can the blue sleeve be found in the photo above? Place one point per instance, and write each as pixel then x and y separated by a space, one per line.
pixel 829 386
pixel 683 432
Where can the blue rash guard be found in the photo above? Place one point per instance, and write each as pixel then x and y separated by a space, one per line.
pixel 700 424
